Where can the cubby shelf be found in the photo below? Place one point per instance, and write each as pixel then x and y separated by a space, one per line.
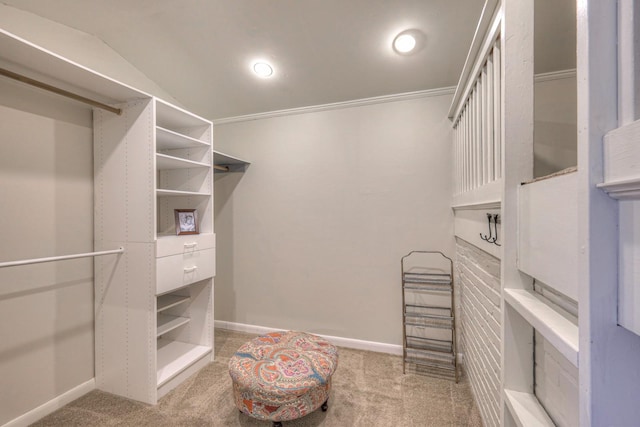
pixel 164 161
pixel 164 193
pixel 176 356
pixel 167 301
pixel 167 323
pixel 167 139
pixel 557 329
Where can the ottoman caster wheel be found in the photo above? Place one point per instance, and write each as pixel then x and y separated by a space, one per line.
pixel 277 424
pixel 325 406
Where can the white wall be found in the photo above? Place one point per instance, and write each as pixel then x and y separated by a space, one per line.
pixel 555 136
pixel 81 48
pixel 311 236
pixel 46 310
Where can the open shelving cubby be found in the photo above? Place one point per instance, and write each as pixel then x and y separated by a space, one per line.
pixel 183 147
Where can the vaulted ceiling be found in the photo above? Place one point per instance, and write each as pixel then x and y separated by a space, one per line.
pixel 323 51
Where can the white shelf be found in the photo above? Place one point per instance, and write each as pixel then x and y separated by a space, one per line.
pixel 163 193
pixel 176 356
pixel 167 323
pixel 526 409
pixel 488 196
pixel 233 164
pixel 558 330
pixel 226 159
pixel 169 140
pixel 167 301
pixel 164 161
pixel 171 116
pixel 61 72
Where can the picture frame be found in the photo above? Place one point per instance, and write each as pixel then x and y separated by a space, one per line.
pixel 186 221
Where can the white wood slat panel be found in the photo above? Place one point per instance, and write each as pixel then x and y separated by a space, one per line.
pixel 548 232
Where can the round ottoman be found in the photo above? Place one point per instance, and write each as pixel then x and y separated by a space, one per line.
pixel 282 376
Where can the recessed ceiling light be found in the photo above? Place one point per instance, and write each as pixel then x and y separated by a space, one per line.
pixel 262 69
pixel 404 43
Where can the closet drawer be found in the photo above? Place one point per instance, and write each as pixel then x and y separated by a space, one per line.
pixel 173 245
pixel 177 271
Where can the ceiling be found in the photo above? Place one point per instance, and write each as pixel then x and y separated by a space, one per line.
pixel 323 51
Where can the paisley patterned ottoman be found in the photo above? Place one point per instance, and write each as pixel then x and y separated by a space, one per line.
pixel 282 376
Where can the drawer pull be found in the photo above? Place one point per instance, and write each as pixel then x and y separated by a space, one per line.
pixel 190 269
pixel 190 245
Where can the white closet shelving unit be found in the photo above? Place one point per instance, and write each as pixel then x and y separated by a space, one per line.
pixel 153 303
pixel 154 308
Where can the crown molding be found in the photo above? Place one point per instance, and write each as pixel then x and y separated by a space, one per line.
pixel 338 105
pixel 554 75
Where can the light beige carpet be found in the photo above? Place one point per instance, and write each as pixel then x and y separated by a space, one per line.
pixel 368 389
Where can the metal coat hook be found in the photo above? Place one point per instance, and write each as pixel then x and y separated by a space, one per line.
pixel 493 236
pixel 485 238
pixel 495 225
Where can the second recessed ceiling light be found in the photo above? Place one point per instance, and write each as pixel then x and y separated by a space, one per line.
pixel 262 69
pixel 404 43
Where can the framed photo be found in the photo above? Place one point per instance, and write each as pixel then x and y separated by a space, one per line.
pixel 186 221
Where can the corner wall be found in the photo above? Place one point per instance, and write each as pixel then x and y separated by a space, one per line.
pixel 311 236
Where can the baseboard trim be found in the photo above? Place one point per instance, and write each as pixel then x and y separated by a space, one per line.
pixel 52 405
pixel 378 347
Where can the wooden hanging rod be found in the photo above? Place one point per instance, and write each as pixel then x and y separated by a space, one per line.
pixel 59 91
pixel 221 168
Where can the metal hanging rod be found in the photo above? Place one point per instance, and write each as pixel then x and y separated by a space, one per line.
pixel 59 91
pixel 60 258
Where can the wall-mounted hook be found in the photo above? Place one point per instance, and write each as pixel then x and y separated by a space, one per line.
pixel 489 238
pixel 493 233
pixel 495 225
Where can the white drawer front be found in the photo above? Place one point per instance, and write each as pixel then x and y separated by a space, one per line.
pixel 173 245
pixel 177 271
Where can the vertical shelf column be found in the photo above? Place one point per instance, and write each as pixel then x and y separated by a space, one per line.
pixel 517 166
pixel 125 322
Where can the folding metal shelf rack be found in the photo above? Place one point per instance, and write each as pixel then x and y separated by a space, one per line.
pixel 428 308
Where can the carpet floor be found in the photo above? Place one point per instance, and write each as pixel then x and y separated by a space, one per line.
pixel 368 390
